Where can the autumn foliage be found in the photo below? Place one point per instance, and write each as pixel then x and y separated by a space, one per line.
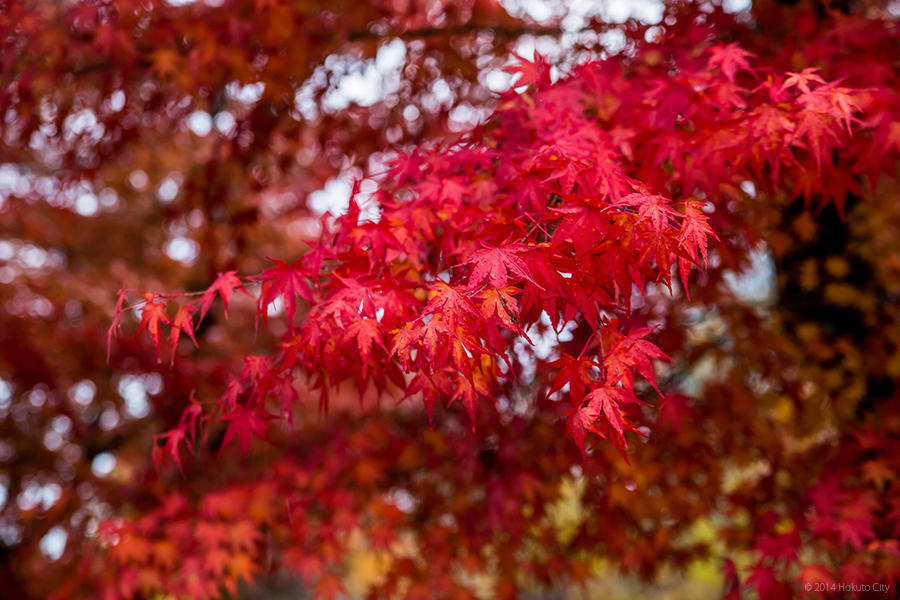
pixel 540 286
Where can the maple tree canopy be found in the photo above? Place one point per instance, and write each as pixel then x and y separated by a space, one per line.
pixel 288 286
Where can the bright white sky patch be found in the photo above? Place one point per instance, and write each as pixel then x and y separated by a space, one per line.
pixel 32 256
pixel 577 12
pixel 134 390
pixel 276 307
pixel 225 123
pixel 53 544
pixel 733 6
pixel 248 93
pixel 6 390
pixel 83 392
pixel 168 189
pixel 200 122
pixel 756 283
pixel 749 188
pixel 84 122
pixel 87 205
pixel 103 464
pixel 184 250
pixel 333 198
pixel 411 113
pixel 366 82
pixel 117 100
pixel 35 495
pixel 497 81
pixel 135 395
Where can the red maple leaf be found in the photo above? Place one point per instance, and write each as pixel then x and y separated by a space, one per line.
pixel 632 352
pixel 450 303
pixel 580 418
pixel 694 231
pixel 498 305
pixel 168 445
pixel 244 423
pixel 152 314
pixel 605 401
pixel 803 79
pixel 287 280
pixel 576 372
pixel 653 209
pixel 224 285
pixel 492 264
pixel 465 392
pixel 729 58
pixel 782 548
pixel 115 326
pixel 763 578
pixel 183 322
pixel 536 70
pixel 366 332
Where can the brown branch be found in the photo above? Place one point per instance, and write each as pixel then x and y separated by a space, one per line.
pixel 462 29
pixel 502 31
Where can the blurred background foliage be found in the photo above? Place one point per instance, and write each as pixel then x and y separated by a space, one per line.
pixel 152 145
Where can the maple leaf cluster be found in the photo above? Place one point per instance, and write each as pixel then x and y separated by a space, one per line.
pixel 516 221
pixel 502 308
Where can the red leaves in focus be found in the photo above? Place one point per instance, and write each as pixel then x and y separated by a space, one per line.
pixel 522 271
pixel 491 266
pixel 224 285
pixel 534 71
pixel 286 281
pixel 153 316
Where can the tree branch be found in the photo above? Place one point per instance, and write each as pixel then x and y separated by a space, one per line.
pixel 462 29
